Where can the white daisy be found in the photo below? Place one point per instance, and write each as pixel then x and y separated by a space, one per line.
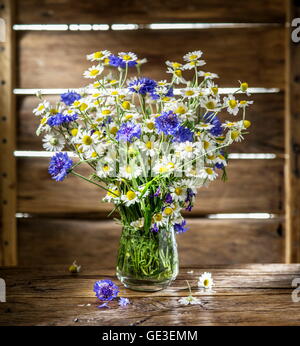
pixel 208 173
pixel 53 142
pixel 206 281
pixel 41 108
pixel 232 104
pixel 189 300
pixel 105 169
pixel 210 103
pixel 93 71
pixel 191 56
pixel 130 171
pixel 189 92
pixel 178 193
pixel 139 223
pixel 98 56
pixel 131 197
pixel 207 75
pixel 113 195
pixel 149 145
pixel 128 57
pixel 185 150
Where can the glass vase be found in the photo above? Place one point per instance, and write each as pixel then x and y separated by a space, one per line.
pixel 147 261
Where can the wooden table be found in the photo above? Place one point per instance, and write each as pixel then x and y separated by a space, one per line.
pixel 250 294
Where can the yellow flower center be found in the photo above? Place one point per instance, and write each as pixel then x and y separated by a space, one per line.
pixel 176 65
pixel 168 211
pixel 235 134
pixel 178 191
pixel 209 171
pixel 128 169
pixel 128 116
pixel 206 144
pixel 113 130
pixel 113 193
pixel 43 120
pixel 94 154
pixel 130 195
pixel 163 169
pixel 83 107
pixel 178 73
pixel 150 125
pixel 105 168
pixel 214 90
pixel 158 217
pixel 244 86
pixel 87 140
pixel 189 92
pixel 247 123
pixel 41 107
pixel 126 105
pixel 94 72
pixel 206 282
pixel 98 55
pixel 149 145
pixel 220 156
pixel 232 103
pixel 210 105
pixel 188 148
pixel 180 110
pixel 74 132
pixel 126 57
pixel 193 57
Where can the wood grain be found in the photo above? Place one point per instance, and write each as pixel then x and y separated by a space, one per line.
pixel 292 139
pixel 253 186
pixel 242 295
pixel 147 11
pixel 266 112
pixel 8 236
pixel 58 241
pixel 256 55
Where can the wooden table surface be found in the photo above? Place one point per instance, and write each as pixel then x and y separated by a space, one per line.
pixel 247 294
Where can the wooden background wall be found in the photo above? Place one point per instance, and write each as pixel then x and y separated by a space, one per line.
pixel 60 222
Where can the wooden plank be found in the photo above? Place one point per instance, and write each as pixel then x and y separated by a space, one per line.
pixel 8 246
pixel 133 11
pixel 58 241
pixel 266 113
pixel 253 186
pixel 37 193
pixel 292 139
pixel 242 295
pixel 51 60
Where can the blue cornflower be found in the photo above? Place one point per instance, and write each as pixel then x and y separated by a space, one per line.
pixel 217 130
pixel 128 131
pixel 59 166
pixel 69 97
pixel 154 229
pixel 59 119
pixel 168 198
pixel 157 192
pixel 116 61
pixel 183 134
pixel 180 227
pixel 142 85
pixel 124 301
pixel 167 123
pixel 106 290
pixel 190 194
pixel 219 165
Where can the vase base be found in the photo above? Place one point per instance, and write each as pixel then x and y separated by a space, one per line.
pixel 144 285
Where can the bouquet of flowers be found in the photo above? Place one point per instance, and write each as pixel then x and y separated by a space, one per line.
pixel 150 145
